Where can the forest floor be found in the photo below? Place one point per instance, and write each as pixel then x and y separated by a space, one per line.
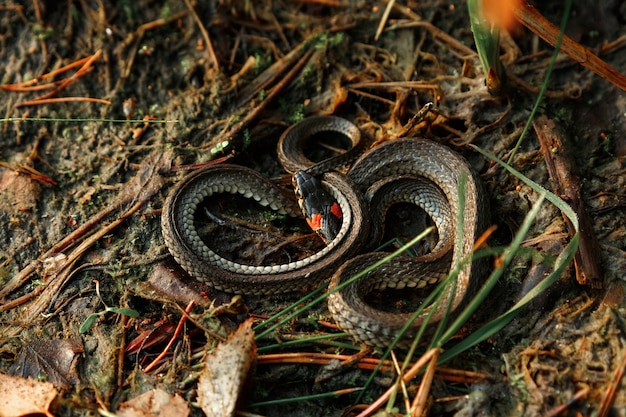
pixel 80 199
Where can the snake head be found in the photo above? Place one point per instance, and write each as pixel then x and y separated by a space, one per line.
pixel 321 211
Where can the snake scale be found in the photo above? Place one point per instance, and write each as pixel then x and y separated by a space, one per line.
pixel 415 170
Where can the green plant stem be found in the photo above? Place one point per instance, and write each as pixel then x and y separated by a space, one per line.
pixel 307 397
pixel 81 120
pixel 544 85
pixel 560 264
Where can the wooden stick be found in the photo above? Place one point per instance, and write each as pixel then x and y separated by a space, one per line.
pixel 567 185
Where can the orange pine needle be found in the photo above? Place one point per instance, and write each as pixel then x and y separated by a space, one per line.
pixel 85 67
pixel 482 239
pixel 543 28
pixel 38 101
pixel 20 88
pixel 23 88
pixel 67 81
pixel 45 76
pixel 179 328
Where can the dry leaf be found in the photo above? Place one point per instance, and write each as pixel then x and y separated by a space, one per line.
pixel 154 403
pixel 20 396
pixel 225 372
pixel 18 193
pixel 54 359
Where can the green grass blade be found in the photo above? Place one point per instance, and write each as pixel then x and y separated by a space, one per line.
pixel 544 85
pixel 560 264
pixel 509 253
pixel 311 397
pixel 323 297
pixel 498 323
pixel 446 287
pixel 286 310
pixel 308 339
pixel 487 40
pixel 81 120
pixel 551 197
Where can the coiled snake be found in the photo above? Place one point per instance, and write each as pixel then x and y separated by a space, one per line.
pixel 416 170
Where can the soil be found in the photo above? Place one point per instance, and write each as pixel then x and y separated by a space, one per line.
pixel 180 97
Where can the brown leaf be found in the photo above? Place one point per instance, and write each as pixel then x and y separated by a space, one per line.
pixel 225 372
pixel 154 403
pixel 21 396
pixel 18 193
pixel 54 359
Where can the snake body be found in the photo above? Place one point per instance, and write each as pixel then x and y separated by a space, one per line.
pixel 409 169
pixel 431 162
pixel 202 263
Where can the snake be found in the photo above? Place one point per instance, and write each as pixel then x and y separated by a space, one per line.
pixel 413 169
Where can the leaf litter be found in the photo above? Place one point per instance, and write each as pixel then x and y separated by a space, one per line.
pixel 213 87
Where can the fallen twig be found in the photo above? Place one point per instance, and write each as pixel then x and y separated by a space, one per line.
pixel 210 52
pixel 567 185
